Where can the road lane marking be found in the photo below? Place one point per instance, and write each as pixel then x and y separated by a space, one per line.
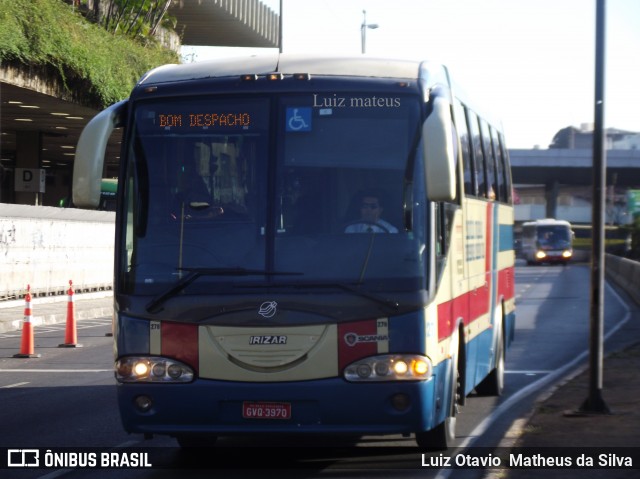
pixel 57 473
pixel 64 472
pixel 16 385
pixel 528 373
pixel 43 328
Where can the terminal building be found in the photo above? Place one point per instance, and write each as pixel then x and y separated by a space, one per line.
pixel 41 119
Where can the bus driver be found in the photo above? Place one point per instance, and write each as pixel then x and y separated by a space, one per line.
pixel 370 217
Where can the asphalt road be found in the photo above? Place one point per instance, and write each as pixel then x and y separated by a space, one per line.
pixel 66 399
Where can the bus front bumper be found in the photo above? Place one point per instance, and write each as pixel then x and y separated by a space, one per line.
pixel 309 407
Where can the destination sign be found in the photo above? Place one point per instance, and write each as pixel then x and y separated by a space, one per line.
pixel 201 120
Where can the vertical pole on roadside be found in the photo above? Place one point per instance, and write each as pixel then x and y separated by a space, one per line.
pixel 280 29
pixel 594 402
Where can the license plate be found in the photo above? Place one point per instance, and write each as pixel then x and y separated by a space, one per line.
pixel 266 410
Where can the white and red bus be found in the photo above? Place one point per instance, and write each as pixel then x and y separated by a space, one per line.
pixel 305 245
pixel 547 241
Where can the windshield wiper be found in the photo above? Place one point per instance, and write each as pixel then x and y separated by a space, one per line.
pixel 389 303
pixel 195 273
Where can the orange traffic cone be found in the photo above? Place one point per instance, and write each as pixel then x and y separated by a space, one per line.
pixel 71 335
pixel 27 349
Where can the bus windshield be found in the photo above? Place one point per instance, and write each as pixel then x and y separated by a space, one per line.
pixel 255 190
pixel 554 236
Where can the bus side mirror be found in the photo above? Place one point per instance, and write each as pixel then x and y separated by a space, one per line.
pixel 438 151
pixel 89 159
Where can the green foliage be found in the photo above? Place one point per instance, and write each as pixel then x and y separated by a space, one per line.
pixel 635 239
pixel 50 35
pixel 619 240
pixel 136 18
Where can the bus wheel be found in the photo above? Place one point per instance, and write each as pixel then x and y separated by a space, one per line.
pixel 444 434
pixel 196 440
pixel 493 384
pixel 439 438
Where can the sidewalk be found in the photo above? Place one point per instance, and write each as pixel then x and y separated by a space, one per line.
pixel 53 309
pixel 558 422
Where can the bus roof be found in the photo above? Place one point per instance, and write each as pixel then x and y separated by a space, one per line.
pixel 361 66
pixel 547 221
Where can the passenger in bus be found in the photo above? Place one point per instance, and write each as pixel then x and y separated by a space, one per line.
pixel 370 216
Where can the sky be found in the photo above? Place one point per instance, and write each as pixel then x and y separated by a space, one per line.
pixel 531 63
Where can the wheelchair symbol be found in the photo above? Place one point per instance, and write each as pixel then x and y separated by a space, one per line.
pixel 298 119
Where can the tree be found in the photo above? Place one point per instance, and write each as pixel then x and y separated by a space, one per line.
pixel 635 239
pixel 565 138
pixel 135 18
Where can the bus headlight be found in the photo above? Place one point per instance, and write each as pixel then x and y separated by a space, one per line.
pixel 541 254
pixel 567 254
pixel 152 369
pixel 389 367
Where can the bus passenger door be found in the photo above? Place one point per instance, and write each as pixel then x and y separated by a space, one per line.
pixel 478 283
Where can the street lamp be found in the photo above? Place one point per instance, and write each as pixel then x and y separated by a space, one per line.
pixel 363 30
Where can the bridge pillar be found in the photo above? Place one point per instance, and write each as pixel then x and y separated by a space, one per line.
pixel 28 164
pixel 551 196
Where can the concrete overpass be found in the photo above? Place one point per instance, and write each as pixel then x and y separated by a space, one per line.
pixel 226 23
pixel 573 167
pixel 40 120
pixel 557 183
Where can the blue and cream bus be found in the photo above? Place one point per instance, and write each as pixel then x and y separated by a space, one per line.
pixel 305 245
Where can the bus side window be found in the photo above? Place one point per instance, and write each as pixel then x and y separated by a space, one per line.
pixel 478 157
pixel 501 190
pixel 506 170
pixel 441 238
pixel 444 213
pixel 489 163
pixel 470 186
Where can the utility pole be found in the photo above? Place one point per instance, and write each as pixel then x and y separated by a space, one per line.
pixel 280 29
pixel 363 30
pixel 594 403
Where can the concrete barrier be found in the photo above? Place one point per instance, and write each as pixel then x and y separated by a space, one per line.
pixel 45 247
pixel 625 273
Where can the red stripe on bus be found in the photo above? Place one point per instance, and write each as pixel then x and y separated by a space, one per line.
pixel 450 311
pixel 506 283
pixel 472 305
pixel 180 341
pixel 479 301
